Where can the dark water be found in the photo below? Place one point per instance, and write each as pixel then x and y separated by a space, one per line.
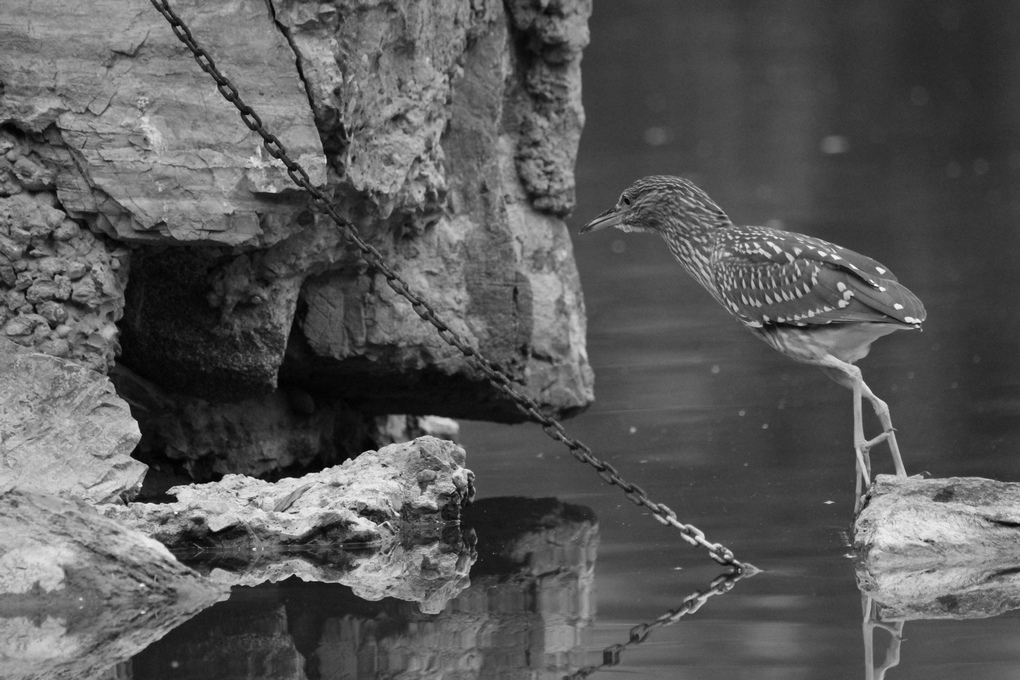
pixel 892 128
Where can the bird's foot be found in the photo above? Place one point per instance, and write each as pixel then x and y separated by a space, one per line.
pixel 863 467
pixel 889 436
pixel 865 447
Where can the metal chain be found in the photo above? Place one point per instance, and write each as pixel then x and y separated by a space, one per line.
pixel 639 633
pixel 421 307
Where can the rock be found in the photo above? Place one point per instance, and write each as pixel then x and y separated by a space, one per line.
pixel 452 153
pixel 466 229
pixel 64 430
pixel 42 297
pixel 395 429
pixel 939 548
pixel 135 148
pixel 79 592
pixel 910 522
pixel 362 502
pixel 552 35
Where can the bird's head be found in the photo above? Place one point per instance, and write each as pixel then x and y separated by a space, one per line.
pixel 663 205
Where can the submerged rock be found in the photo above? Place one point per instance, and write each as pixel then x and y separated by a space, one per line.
pixel 64 430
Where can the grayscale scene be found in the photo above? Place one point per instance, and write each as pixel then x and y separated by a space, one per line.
pixel 509 339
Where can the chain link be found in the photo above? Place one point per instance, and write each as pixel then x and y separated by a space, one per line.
pixel 421 307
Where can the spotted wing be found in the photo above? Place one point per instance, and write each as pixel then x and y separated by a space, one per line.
pixel 767 276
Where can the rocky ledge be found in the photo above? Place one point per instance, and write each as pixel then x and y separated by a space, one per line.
pixel 363 503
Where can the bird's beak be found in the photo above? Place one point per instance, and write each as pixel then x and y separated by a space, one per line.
pixel 609 218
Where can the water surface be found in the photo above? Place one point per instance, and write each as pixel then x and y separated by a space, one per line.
pixel 887 127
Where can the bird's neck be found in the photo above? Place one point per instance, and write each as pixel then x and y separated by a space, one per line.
pixel 691 244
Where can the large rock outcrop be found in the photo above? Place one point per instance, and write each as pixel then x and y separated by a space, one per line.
pixel 446 131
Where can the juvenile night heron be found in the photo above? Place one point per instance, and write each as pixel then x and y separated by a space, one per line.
pixel 811 300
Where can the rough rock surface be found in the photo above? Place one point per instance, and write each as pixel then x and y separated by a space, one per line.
pixel 441 133
pixel 62 285
pixel 452 151
pixel 918 523
pixel 64 430
pixel 362 502
pixel 144 149
pixel 80 593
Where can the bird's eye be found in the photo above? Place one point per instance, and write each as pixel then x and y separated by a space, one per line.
pixel 625 200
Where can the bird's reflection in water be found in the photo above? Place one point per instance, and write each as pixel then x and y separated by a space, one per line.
pixel 873 625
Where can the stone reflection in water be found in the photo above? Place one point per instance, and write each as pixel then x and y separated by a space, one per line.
pixel 79 592
pixel 528 610
pixel 427 566
pixel 939 548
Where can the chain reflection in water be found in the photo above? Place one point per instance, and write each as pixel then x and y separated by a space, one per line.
pixel 692 603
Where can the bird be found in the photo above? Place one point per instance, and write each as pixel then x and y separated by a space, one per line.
pixel 813 301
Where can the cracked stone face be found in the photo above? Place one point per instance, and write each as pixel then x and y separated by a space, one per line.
pixel 451 150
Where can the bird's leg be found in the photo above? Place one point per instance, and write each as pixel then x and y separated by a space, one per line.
pixel 862 447
pixel 889 433
pixel 849 376
pixel 862 451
